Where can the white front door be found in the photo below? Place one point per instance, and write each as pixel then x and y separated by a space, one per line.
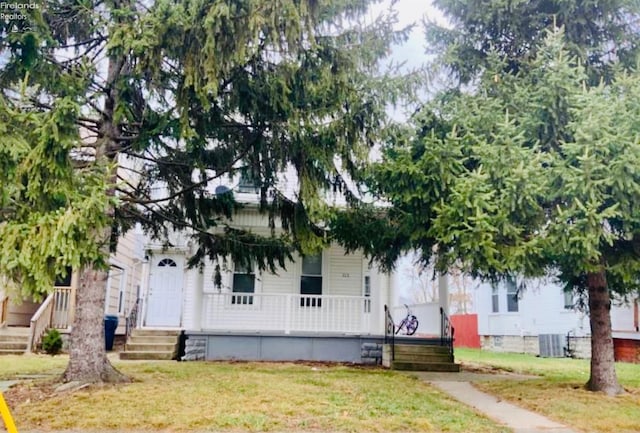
pixel 164 301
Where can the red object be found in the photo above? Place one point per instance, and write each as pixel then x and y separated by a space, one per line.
pixel 466 330
pixel 626 350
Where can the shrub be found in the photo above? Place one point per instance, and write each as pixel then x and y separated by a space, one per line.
pixel 52 342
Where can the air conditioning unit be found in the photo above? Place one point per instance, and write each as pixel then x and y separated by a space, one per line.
pixel 552 345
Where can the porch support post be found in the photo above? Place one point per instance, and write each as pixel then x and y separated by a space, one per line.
pixel 443 292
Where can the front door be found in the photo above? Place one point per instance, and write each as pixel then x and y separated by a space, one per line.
pixel 164 302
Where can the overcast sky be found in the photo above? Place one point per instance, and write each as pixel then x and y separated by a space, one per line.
pixel 412 11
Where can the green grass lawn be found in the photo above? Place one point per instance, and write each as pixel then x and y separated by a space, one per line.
pixel 14 366
pixel 559 391
pixel 251 397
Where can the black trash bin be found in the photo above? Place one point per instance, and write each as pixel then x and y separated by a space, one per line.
pixel 110 325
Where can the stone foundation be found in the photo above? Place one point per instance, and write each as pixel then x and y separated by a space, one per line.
pixel 529 344
pixel 371 353
pixel 195 348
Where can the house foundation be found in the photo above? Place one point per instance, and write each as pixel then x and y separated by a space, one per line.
pixel 277 347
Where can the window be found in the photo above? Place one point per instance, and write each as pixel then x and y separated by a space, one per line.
pixel 568 300
pixel 512 295
pixel 247 183
pixel 495 300
pixel 311 281
pixel 244 281
pixel 367 294
pixel 64 280
pixel 167 262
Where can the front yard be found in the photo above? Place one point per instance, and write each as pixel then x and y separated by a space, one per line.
pixel 287 397
pixel 559 391
pixel 231 397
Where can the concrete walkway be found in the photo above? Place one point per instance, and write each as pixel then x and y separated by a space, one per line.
pixel 458 386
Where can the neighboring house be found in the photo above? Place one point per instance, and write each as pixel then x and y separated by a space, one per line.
pixel 23 317
pixel 31 319
pixel 542 320
pixel 626 331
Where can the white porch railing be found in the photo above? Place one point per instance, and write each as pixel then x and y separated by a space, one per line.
pixel 62 308
pixel 55 312
pixel 286 313
pixel 40 322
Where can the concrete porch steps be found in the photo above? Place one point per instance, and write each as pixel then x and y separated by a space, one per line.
pixel 13 340
pixel 149 344
pixel 415 357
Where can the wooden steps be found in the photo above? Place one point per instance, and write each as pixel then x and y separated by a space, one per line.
pixel 419 357
pixel 13 340
pixel 149 344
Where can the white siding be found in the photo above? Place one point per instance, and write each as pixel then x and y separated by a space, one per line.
pixel 622 318
pixel 129 257
pixel 344 273
pixel 284 281
pixel 540 311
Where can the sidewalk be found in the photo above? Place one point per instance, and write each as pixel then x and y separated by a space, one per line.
pixel 458 386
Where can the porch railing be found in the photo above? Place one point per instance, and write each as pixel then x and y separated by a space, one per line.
pixel 61 315
pixel 447 332
pixel 40 322
pixel 286 313
pixel 54 312
pixel 132 317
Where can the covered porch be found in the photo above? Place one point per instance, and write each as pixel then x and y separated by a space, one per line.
pixel 32 319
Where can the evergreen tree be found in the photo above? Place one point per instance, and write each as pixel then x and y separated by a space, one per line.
pixel 598 32
pixel 104 101
pixel 531 174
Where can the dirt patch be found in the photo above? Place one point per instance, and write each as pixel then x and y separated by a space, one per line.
pixel 31 391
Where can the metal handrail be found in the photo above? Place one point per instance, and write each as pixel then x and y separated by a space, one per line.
pixel 131 321
pixel 446 332
pixel 390 331
pixel 40 322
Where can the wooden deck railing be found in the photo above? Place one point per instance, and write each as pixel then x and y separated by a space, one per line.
pixel 55 312
pixel 40 322
pixel 62 307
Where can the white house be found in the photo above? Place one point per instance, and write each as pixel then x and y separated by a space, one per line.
pixel 541 319
pixel 328 306
pixel 324 306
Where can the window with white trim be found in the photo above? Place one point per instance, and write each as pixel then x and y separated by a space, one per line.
pixel 367 294
pixel 244 282
pixel 247 183
pixel 512 295
pixel 495 300
pixel 568 300
pixel 311 281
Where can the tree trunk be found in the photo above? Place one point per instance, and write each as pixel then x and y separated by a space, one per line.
pixel 603 373
pixel 88 360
